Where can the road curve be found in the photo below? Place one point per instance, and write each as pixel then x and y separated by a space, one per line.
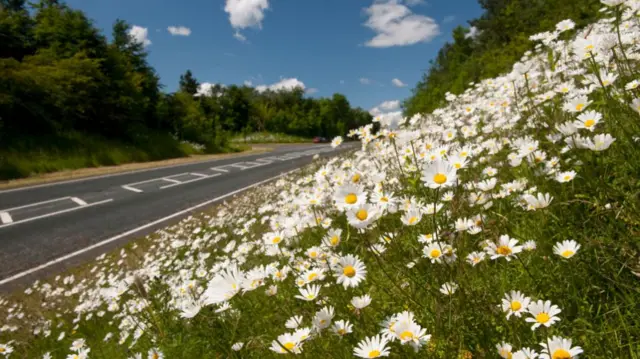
pixel 47 229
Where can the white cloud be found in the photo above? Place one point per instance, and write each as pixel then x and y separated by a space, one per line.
pixel 473 33
pixel 365 81
pixel 385 107
pixel 448 19
pixel 398 83
pixel 414 2
pixel 179 30
pixel 284 84
pixel 205 89
pixel 140 35
pixel 239 36
pixel 396 25
pixel 248 83
pixel 311 91
pixel 245 13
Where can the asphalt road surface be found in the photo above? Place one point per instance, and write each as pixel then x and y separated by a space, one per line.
pixel 48 228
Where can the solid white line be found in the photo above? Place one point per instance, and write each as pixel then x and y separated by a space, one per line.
pixel 79 201
pixel 56 213
pixel 121 235
pixel 198 174
pixel 34 204
pixel 132 189
pixel 5 217
pixel 171 180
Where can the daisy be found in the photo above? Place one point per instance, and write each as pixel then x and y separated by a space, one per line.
pixel 155 354
pixel 361 217
pixel 433 251
pixel 588 120
pixel 567 176
pixel 475 257
pixel 351 271
pixel 566 249
pixel 506 248
pixel 342 327
pixel 544 313
pixel 372 347
pixel 286 343
pixel 529 245
pixel 323 318
pixel 409 332
pixel 448 288
pixel 223 286
pixel 309 293
pixel 411 217
pixel 237 346
pixel 337 141
pixel 525 353
pixel 439 174
pixel 515 303
pixel 504 350
pixel 559 348
pixel 361 302
pixel 332 238
pixel 6 349
pixel 349 196
pixel 576 104
pixel 77 345
pixel 293 322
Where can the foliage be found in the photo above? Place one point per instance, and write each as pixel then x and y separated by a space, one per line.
pixel 60 75
pixel 502 38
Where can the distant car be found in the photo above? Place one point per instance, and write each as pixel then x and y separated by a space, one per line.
pixel 319 139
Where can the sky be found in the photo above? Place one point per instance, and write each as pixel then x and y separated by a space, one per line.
pixel 372 51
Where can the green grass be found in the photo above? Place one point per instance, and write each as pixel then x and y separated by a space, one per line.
pixel 24 157
pixel 267 137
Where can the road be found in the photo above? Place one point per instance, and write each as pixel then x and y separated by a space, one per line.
pixel 48 228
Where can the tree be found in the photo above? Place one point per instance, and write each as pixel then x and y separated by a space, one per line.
pixel 188 84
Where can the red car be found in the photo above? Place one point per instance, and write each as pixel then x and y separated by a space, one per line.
pixel 318 139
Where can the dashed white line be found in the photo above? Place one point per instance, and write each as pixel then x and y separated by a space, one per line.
pixel 219 169
pixel 79 201
pixel 55 213
pixel 5 217
pixel 121 235
pixel 198 174
pixel 132 189
pixel 189 181
pixel 34 204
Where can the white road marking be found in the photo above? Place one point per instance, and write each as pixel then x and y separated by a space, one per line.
pixel 79 201
pixel 55 213
pixel 171 180
pixel 132 189
pixel 5 217
pixel 35 204
pixel 132 231
pixel 189 181
pixel 219 169
pixel 198 174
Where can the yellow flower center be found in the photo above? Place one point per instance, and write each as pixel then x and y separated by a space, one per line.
pixel 313 254
pixel 155 355
pixel 289 345
pixel 515 306
pixel 440 178
pixel 506 354
pixel 568 253
pixel 412 220
pixel 362 214
pixel 449 134
pixel 458 165
pixel 310 296
pixel 2 350
pixel 349 271
pixel 406 335
pixel 276 240
pixel 579 107
pixel 374 354
pixel 589 123
pixel 561 354
pixel 342 331
pixel 435 253
pixel 566 178
pixel 351 198
pixel 503 250
pixel 312 276
pixel 384 199
pixel 542 318
pixel 355 178
pixel 335 240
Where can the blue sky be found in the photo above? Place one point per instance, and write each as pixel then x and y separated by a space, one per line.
pixel 355 47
